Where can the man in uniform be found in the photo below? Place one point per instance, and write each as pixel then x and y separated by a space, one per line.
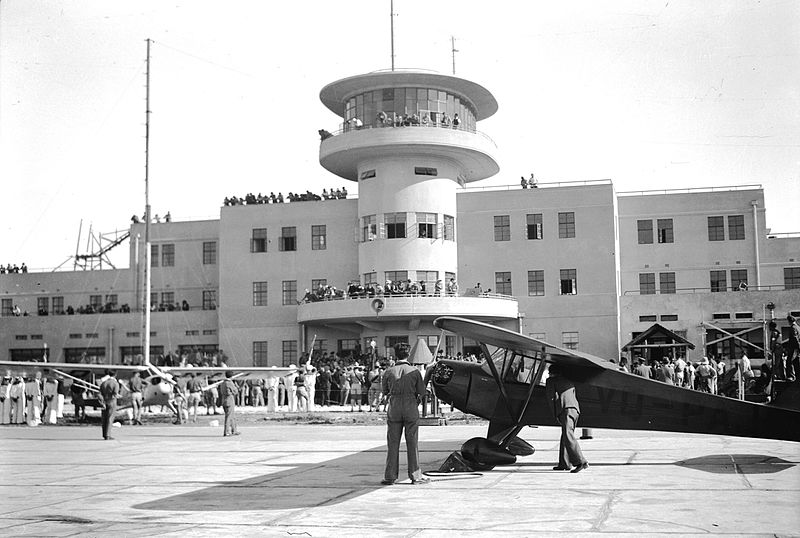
pixel 561 395
pixel 33 395
pixel 136 386
pixel 5 400
pixel 109 391
pixel 229 391
pixel 195 389
pixel 403 385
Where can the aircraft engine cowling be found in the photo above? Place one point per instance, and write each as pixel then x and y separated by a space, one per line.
pixel 483 454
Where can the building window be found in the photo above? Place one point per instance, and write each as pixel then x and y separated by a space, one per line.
pixel 58 305
pixel 260 354
pixel 666 283
pixel 395 225
pixel 425 171
pixel 167 298
pixel 289 292
pixel 390 341
pixel 536 283
pixel 449 228
pixel 426 224
pixel 319 237
pixel 716 229
pixel 367 174
pixel 429 278
pixel 168 255
pixel 96 301
pixel 568 281
pixel 132 334
pixel 369 228
pixel 209 252
pixel 288 239
pixel 502 282
pixel 396 276
pixel 791 278
pixel 6 307
pixel 718 281
pixel 566 225
pixel 502 228
pixel 153 255
pixel 20 337
pixel 665 233
pixel 153 299
pixel 258 241
pixel 644 229
pixel 647 283
pixel 192 332
pixel 669 317
pixel 737 315
pixel 259 294
pixel 534 225
pixel 318 283
pixel 647 318
pixel 43 306
pixel 721 315
pixel 289 352
pixel 209 299
pixel 41 336
pixel 346 346
pixel 112 300
pixel 542 337
pixel 209 332
pixel 738 279
pixel 569 339
pixel 735 227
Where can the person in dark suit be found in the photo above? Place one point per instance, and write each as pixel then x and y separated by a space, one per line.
pixel 228 392
pixel 404 387
pixel 109 391
pixel 564 403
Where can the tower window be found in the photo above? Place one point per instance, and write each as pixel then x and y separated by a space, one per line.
pixel 395 225
pixel 425 171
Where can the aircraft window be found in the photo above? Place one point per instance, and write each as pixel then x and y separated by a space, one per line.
pixel 522 369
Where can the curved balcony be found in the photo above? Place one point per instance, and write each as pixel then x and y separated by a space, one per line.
pixel 485 307
pixel 341 153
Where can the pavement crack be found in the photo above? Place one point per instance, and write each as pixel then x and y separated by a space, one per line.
pixel 741 474
pixel 605 511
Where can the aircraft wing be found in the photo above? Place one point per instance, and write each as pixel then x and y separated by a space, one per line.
pixel 240 372
pixel 35 366
pixel 519 343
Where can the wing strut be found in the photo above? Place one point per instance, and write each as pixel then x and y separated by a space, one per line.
pixel 78 380
pixel 498 381
pixel 519 424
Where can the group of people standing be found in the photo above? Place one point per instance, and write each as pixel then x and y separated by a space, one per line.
pixel 31 400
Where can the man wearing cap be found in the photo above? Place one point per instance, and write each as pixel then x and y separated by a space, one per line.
pixel 402 383
pixel 228 392
pixel 109 392
pixel 33 395
pixel 564 404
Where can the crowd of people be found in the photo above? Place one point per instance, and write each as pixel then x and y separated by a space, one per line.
pixel 272 198
pixel 12 269
pixel 31 399
pixel 356 290
pixel 107 308
pixel 529 183
pixel 136 220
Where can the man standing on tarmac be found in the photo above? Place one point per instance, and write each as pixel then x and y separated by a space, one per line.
pixel 228 391
pixel 109 391
pixel 402 383
pixel 561 395
pixel 136 386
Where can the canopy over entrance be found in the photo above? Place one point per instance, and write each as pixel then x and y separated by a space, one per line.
pixel 656 342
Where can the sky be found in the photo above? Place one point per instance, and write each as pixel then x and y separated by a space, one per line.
pixel 650 94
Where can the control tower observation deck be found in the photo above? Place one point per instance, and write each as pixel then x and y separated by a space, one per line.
pixel 410 140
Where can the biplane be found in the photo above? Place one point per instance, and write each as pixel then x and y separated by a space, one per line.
pixel 508 390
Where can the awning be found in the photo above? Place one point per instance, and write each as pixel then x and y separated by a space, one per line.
pixel 659 332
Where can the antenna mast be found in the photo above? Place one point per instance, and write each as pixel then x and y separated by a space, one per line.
pixel 391 18
pixel 147 253
pixel 453 51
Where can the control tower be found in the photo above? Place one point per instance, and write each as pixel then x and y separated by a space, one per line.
pixel 410 140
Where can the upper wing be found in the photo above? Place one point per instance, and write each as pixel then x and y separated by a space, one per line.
pixel 29 366
pixel 519 343
pixel 243 372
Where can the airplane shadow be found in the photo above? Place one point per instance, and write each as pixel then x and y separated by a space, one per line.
pixel 307 485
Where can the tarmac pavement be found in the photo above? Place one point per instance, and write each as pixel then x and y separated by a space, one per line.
pixel 283 479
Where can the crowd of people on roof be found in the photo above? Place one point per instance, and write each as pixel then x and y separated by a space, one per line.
pixel 11 269
pixel 107 308
pixel 356 290
pixel 272 198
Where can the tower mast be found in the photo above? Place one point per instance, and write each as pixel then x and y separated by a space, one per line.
pixel 391 18
pixel 147 249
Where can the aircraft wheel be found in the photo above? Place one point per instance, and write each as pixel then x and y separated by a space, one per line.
pixel 483 454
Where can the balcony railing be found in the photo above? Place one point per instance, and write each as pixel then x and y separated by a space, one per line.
pixel 678 291
pixel 349 127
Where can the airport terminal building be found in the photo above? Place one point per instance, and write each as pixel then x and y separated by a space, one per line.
pixel 574 263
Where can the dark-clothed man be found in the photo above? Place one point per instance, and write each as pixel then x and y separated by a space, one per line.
pixel 402 383
pixel 792 347
pixel 228 392
pixel 109 391
pixel 137 385
pixel 564 404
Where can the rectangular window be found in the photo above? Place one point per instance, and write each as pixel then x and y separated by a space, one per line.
pixel 449 228
pixel 669 317
pixel 96 301
pixel 192 332
pixel 260 354
pixel 647 318
pixel 367 174
pixel 502 228
pixel 647 283
pixel 426 225
pixel 536 283
pixel 209 332
pixel 20 337
pixel 168 255
pixel 502 282
pixel 153 299
pixel 289 352
pixel 644 229
pixel 6 307
pixel 716 229
pixel 666 283
pixel 43 305
pixel 737 315
pixel 167 297
pixel 259 294
pixel 288 239
pixel 534 225
pixel 721 315
pixel 153 255
pixel 425 171
pixel 791 278
pixel 566 225
pixel 429 278
pixel 112 300
pixel 396 276
pixel 209 299
pixel 209 252
pixel 369 228
pixel 346 345
pixel 738 279
pixel 665 233
pixel 569 339
pixel 568 281
pixel 395 225
pixel 718 281
pixel 317 283
pixel 735 227
pixel 41 336
pixel 319 237
pixel 289 292
pixel 132 334
pixel 258 240
pixel 58 305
